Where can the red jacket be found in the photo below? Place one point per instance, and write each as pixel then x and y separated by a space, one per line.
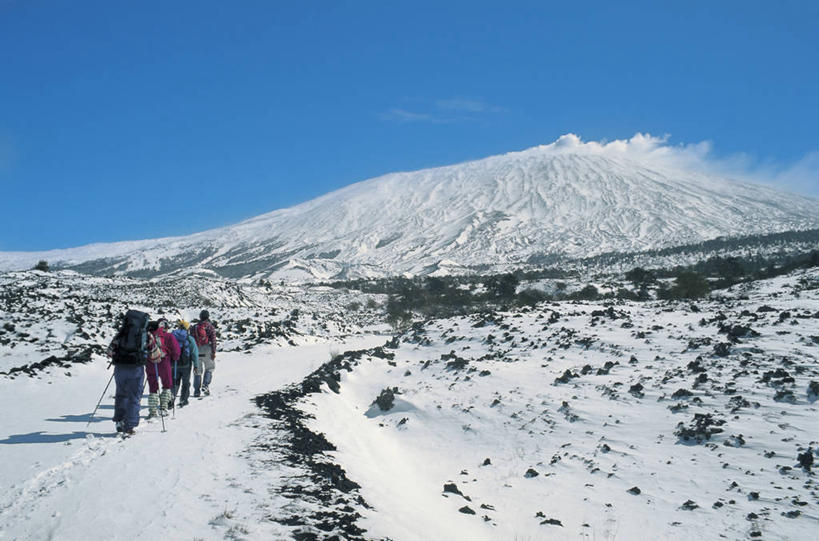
pixel 209 331
pixel 170 347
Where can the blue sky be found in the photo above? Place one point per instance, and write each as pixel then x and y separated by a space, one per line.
pixel 128 120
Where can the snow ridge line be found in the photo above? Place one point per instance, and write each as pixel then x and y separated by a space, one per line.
pixel 328 497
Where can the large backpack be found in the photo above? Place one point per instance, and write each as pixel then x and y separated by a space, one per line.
pixel 201 333
pixel 132 345
pixel 181 336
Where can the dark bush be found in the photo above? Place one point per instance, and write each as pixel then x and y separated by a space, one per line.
pixel 530 297
pixel 640 276
pixel 588 293
pixel 689 285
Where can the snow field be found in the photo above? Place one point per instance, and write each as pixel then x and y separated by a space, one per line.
pixel 66 481
pixel 589 440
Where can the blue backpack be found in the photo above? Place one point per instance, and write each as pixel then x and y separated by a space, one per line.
pixel 181 336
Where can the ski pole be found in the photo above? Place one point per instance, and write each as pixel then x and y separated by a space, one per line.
pixel 100 401
pixel 161 414
pixel 173 390
pixel 158 381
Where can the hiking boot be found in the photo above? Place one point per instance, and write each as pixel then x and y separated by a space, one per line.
pixel 206 391
pixel 153 404
pixel 183 403
pixel 165 400
pixel 120 426
pixel 128 432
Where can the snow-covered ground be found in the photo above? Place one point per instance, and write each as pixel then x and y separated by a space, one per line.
pixel 570 420
pixel 63 479
pixel 564 422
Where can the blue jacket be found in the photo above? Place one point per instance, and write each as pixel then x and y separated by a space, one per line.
pixel 197 364
pixel 181 335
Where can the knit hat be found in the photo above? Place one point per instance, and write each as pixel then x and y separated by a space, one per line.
pixel 204 315
pixel 183 324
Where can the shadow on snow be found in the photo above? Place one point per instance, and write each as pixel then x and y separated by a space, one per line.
pixel 41 437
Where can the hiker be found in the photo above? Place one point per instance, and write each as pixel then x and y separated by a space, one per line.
pixel 205 336
pixel 170 353
pixel 182 369
pixel 129 350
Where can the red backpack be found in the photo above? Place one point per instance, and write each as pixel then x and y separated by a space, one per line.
pixel 154 348
pixel 201 334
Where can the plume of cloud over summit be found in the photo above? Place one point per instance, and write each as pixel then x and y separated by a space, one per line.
pixel 801 177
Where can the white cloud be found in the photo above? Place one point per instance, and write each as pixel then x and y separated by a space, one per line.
pixel 803 176
pixel 800 177
pixel 467 105
pixel 402 115
pixel 443 111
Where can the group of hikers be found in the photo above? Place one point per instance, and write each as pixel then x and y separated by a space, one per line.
pixel 167 357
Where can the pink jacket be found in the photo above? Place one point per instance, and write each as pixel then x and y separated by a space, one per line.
pixel 170 347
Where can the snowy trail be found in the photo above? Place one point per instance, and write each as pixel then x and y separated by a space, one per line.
pixel 83 482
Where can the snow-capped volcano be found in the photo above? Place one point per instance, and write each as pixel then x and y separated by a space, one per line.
pixel 566 198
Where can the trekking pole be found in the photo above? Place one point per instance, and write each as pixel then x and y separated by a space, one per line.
pixel 173 390
pixel 100 401
pixel 162 417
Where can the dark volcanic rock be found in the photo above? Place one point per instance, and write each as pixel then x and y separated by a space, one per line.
pixel 566 377
pixel 325 484
pixel 606 368
pixel 785 395
pixel 681 393
pixel 701 428
pixel 386 399
pixel 780 376
pixel 806 459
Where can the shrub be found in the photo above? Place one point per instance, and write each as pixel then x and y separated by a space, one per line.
pixel 639 276
pixel 588 293
pixel 689 285
pixel 398 311
pixel 42 265
pixel 530 297
pixel 503 286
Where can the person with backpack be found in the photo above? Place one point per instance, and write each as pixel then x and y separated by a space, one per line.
pixel 161 371
pixel 130 349
pixel 205 336
pixel 182 369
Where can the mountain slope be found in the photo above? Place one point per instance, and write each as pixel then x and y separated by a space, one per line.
pixel 567 198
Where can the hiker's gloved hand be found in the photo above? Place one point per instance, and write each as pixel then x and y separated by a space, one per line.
pixel 197 371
